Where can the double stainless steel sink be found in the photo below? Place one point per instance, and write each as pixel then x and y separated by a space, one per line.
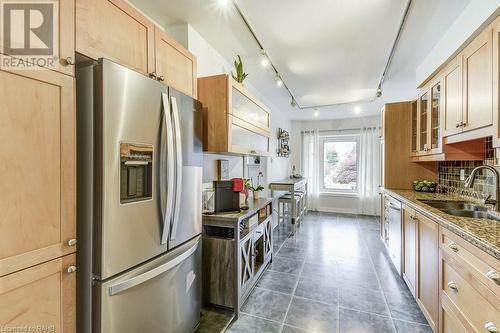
pixel 461 209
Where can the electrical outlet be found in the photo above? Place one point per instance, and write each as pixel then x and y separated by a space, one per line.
pixel 462 174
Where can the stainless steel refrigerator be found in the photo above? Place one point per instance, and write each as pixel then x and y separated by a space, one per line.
pixel 139 203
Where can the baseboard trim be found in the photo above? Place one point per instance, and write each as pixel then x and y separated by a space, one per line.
pixel 337 210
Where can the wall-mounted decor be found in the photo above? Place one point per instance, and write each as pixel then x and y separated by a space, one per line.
pixel 283 147
pixel 222 169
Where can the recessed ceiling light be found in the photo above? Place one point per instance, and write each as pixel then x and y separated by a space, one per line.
pixel 223 2
pixel 357 109
pixel 316 113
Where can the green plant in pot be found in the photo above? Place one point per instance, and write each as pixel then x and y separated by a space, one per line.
pixel 239 75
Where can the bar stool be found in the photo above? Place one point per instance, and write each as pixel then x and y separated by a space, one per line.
pixel 285 211
pixel 303 201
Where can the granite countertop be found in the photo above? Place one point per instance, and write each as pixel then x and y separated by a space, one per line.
pixel 253 207
pixel 483 233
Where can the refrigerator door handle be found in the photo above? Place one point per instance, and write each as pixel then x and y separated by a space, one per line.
pixel 178 167
pixel 166 162
pixel 144 277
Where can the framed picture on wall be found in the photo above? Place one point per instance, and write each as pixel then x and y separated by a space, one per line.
pixel 222 169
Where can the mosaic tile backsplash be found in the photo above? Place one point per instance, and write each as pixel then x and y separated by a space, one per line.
pixel 449 175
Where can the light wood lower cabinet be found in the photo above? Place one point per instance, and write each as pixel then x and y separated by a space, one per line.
pixel 448 318
pixel 40 297
pixel 470 284
pixel 427 291
pixel 410 228
pixel 38 163
pixel 115 30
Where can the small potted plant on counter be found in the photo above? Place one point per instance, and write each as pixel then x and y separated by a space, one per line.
pixel 256 189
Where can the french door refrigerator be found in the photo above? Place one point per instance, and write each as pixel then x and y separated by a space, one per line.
pixel 139 203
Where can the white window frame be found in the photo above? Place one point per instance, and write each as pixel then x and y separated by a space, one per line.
pixel 338 138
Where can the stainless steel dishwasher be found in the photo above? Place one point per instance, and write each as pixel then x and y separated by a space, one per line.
pixel 395 233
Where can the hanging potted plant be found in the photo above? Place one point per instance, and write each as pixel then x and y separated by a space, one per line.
pixel 239 75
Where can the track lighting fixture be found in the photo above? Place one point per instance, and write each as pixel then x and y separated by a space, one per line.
pixel 279 81
pixel 265 60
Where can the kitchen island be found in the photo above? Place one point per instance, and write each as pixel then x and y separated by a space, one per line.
pixel 237 246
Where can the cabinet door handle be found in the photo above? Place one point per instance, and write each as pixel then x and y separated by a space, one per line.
pixel 71 269
pixel 453 286
pixel 68 61
pixel 494 276
pixel 253 151
pixel 491 327
pixel 72 242
pixel 463 124
pixel 153 75
pixel 161 78
pixel 453 246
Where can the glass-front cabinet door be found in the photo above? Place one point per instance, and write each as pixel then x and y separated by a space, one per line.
pixel 435 112
pixel 248 110
pixel 414 128
pixel 423 106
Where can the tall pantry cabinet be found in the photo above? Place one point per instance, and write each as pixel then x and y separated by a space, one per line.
pixel 38 186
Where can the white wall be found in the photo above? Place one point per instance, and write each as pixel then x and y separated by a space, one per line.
pixel 471 21
pixel 330 202
pixel 210 62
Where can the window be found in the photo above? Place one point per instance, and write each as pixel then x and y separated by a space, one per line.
pixel 339 163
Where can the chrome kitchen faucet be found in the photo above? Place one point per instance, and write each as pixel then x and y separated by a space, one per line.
pixel 470 181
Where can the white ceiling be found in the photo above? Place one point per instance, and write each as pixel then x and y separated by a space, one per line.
pixel 327 51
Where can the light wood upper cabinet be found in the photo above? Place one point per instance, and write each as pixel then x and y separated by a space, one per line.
pixel 426 136
pixel 115 30
pixel 427 291
pixel 478 82
pixel 423 122
pixel 452 87
pixel 234 120
pixel 37 159
pixel 65 26
pixel 414 128
pixel 40 296
pixel 175 65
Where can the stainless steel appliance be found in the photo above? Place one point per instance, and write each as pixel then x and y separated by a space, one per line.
pixel 395 233
pixel 139 203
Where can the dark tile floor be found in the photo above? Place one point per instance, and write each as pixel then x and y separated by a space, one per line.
pixel 332 275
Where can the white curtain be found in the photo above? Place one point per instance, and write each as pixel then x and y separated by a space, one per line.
pixel 369 168
pixel 310 167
